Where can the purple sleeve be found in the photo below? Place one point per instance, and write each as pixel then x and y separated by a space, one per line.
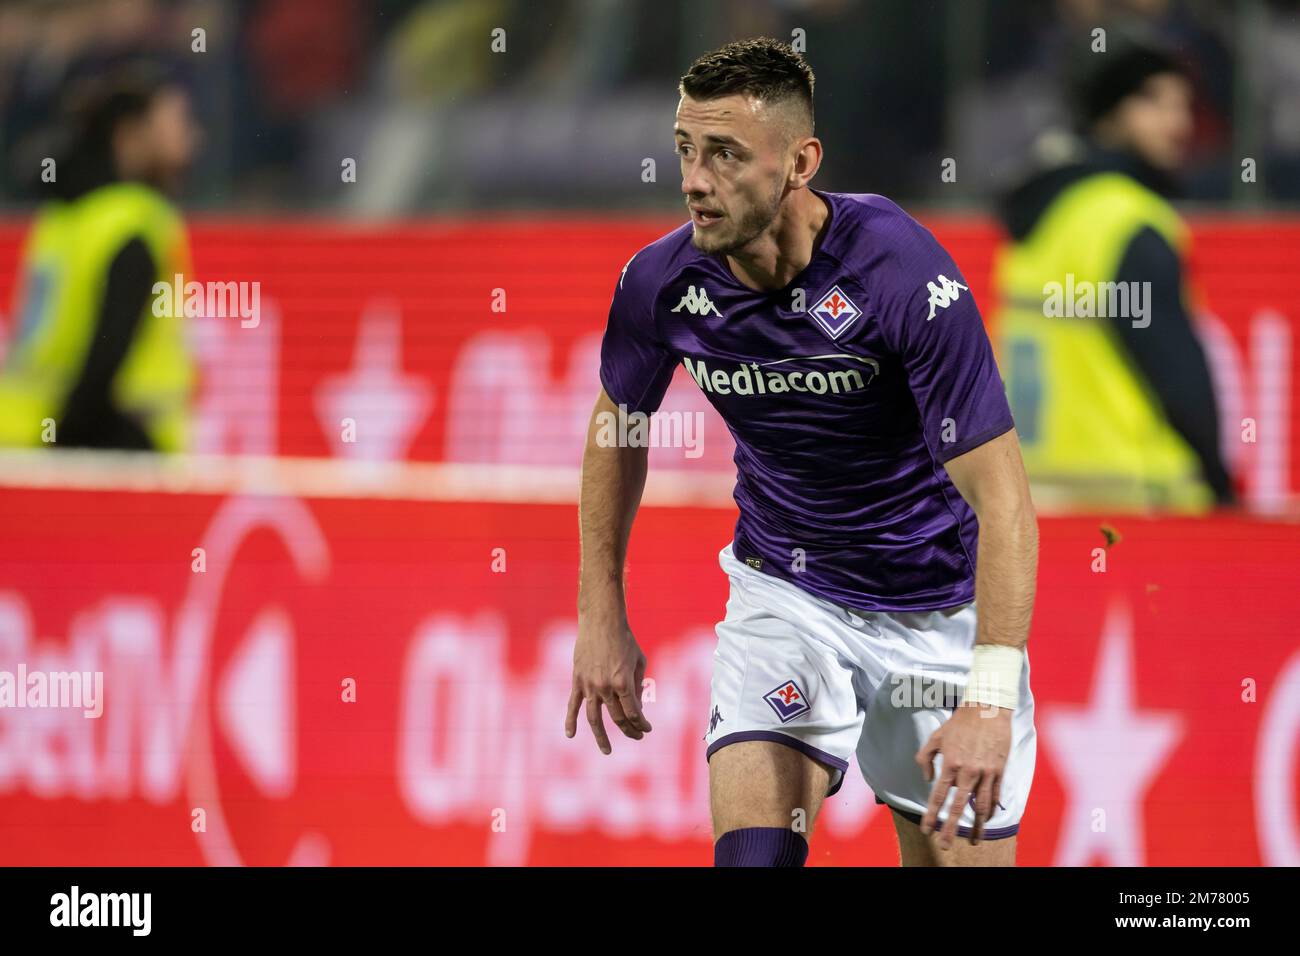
pixel 635 366
pixel 945 349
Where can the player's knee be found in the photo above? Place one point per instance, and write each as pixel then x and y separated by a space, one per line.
pixel 760 846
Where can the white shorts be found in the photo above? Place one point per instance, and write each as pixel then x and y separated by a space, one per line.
pixel 798 670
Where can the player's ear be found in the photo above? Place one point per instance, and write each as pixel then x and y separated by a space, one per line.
pixel 807 160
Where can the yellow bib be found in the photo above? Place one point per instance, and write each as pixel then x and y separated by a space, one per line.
pixel 1091 430
pixel 65 265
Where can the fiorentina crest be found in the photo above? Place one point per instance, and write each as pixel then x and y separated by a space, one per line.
pixel 835 312
pixel 788 701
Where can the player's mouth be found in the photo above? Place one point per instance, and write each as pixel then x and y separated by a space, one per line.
pixel 704 217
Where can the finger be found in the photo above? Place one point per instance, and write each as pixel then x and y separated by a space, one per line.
pixel 966 779
pixel 925 756
pixel 629 697
pixel 937 794
pixel 571 718
pixel 598 725
pixel 639 692
pixel 955 810
pixel 632 707
pixel 983 806
pixel 621 720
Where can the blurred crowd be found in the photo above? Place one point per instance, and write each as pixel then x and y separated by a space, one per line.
pixel 578 93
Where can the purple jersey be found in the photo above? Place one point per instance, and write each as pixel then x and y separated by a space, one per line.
pixel 843 411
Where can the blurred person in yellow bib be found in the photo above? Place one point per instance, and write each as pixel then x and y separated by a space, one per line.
pixel 1108 383
pixel 93 361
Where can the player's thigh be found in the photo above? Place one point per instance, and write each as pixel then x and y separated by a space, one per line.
pixel 917 849
pixel 758 783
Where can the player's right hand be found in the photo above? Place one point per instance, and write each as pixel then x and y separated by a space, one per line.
pixel 608 668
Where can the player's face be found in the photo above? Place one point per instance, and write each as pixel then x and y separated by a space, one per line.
pixel 1156 122
pixel 733 169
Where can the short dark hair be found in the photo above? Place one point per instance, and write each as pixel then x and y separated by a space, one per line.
pixel 764 68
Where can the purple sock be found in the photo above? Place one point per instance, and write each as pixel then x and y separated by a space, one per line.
pixel 760 846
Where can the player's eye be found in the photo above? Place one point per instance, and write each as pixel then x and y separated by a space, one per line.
pixel 682 148
pixel 726 154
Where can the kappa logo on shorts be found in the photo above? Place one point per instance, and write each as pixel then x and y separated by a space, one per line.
pixel 788 701
pixel 715 719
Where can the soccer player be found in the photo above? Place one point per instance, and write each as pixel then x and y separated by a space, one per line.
pixel 841 346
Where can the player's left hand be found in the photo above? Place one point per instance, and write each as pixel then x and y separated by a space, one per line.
pixel 974 743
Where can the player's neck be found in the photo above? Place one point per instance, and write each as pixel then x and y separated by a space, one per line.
pixel 772 261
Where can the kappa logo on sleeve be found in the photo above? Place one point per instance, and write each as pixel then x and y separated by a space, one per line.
pixel 697 303
pixel 943 294
pixel 835 312
pixel 788 701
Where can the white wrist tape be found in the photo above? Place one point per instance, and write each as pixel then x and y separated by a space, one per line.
pixel 995 676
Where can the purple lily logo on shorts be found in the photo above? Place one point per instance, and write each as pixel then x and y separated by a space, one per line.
pixel 788 700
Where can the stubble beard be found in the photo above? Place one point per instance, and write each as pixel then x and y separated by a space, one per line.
pixel 753 224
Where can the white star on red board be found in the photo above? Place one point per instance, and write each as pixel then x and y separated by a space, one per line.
pixel 388 406
pixel 1108 753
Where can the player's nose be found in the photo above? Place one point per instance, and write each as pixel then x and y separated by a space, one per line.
pixel 694 183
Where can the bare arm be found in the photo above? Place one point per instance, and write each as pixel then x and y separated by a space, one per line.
pixel 612 481
pixel 608 666
pixel 992 480
pixel 976 740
